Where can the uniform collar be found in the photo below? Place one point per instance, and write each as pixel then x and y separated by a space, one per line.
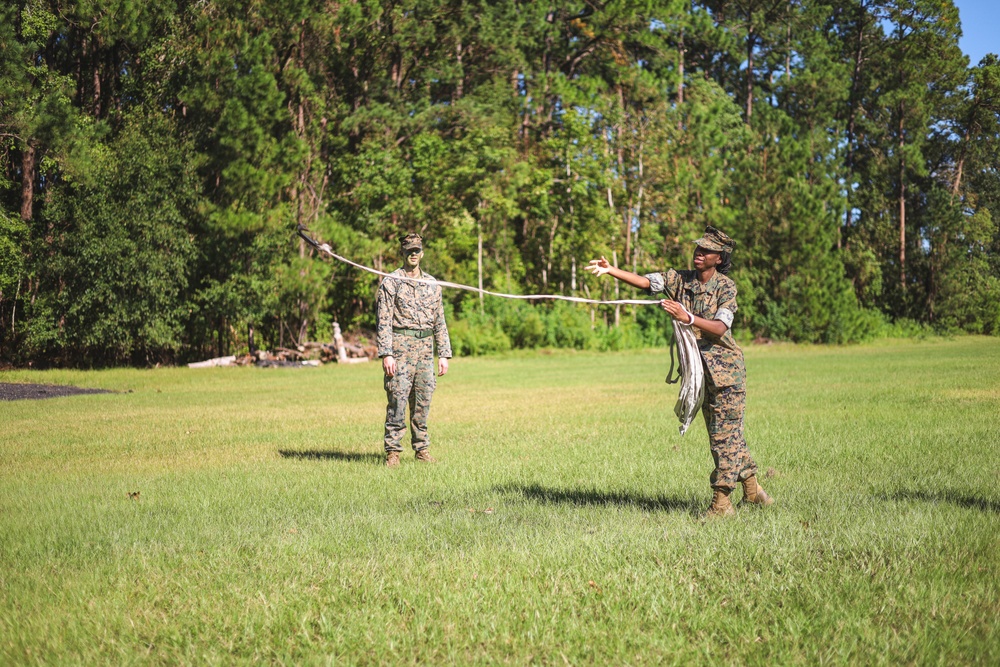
pixel 697 286
pixel 402 272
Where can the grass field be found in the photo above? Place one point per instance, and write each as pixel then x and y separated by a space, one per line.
pixel 561 525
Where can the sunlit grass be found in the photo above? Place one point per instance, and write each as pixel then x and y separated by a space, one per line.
pixel 562 524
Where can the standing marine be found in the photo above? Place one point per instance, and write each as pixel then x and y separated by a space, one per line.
pixel 706 299
pixel 411 324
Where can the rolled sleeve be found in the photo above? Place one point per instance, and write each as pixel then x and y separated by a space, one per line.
pixel 667 282
pixel 727 305
pixel 657 283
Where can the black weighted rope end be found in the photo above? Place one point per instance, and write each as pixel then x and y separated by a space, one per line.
pixel 302 229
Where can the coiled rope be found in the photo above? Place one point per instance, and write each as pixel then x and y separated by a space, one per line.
pixel 691 374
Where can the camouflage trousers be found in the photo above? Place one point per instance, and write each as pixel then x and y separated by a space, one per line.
pixel 413 385
pixel 723 410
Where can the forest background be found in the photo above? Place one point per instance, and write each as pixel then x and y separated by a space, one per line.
pixel 157 158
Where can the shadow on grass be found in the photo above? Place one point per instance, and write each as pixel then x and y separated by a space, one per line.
pixel 334 455
pixel 593 497
pixel 970 502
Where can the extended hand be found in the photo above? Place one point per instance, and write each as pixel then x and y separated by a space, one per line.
pixel 676 310
pixel 442 366
pixel 598 266
pixel 389 365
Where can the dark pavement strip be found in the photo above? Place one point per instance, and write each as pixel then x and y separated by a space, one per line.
pixel 12 391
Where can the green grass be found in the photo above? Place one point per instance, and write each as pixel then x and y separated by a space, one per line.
pixel 267 531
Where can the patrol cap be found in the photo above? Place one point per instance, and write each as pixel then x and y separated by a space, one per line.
pixel 411 242
pixel 716 241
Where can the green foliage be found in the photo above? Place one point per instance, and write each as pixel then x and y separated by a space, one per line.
pixel 514 324
pixel 13 238
pixel 846 145
pixel 568 326
pixel 120 256
pixel 965 296
pixel 476 334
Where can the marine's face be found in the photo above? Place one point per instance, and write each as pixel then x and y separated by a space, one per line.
pixel 413 258
pixel 706 259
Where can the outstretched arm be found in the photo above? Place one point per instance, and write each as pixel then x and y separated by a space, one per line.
pixel 601 266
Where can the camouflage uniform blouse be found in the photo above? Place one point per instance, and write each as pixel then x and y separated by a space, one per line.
pixel 715 300
pixel 405 305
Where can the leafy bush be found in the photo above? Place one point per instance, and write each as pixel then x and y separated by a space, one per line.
pixel 506 324
pixel 569 326
pixel 627 336
pixel 477 335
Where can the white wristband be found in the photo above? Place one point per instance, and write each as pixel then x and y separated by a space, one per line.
pixel 692 317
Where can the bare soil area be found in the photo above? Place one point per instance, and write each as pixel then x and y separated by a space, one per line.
pixel 10 391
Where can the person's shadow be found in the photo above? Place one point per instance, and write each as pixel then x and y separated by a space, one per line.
pixel 970 502
pixel 371 458
pixel 585 497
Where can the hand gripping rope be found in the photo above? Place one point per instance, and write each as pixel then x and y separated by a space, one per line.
pixel 693 386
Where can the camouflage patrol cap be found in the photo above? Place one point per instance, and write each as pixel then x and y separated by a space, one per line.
pixel 716 241
pixel 411 242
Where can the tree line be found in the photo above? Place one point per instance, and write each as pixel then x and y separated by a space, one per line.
pixel 157 158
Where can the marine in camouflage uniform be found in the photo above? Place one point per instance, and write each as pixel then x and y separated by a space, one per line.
pixel 725 390
pixel 410 324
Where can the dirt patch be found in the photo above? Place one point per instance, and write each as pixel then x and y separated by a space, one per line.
pixel 15 392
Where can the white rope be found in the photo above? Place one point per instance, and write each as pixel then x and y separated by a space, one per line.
pixel 692 392
pixel 633 302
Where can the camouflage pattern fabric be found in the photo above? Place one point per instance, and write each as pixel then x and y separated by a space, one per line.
pixel 406 305
pixel 715 240
pixel 716 299
pixel 413 385
pixel 723 411
pixel 725 389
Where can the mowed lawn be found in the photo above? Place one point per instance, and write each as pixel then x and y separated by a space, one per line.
pixel 560 527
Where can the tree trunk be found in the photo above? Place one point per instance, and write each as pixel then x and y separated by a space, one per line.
pixel 852 108
pixel 479 265
pixel 460 84
pixel 638 206
pixel 27 181
pixel 552 242
pixel 680 71
pixel 961 164
pixel 13 311
pixel 97 90
pixel 618 306
pixel 621 170
pixel 788 54
pixel 751 39
pixel 902 208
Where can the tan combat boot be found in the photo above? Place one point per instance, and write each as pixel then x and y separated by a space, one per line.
pixel 754 494
pixel 425 456
pixel 392 459
pixel 720 504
